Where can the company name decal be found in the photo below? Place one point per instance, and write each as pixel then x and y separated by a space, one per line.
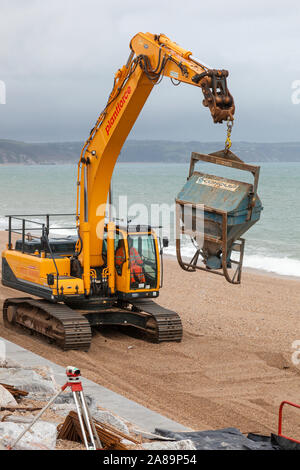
pixel 217 184
pixel 118 108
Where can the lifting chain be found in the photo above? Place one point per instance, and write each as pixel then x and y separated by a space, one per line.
pixel 229 129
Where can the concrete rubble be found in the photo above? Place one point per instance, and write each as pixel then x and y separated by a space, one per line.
pixel 63 409
pixel 186 444
pixel 6 398
pixel 7 362
pixel 19 419
pixel 27 380
pixel 108 418
pixel 42 435
pixel 67 398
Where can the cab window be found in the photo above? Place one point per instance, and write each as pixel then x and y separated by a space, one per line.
pixel 142 260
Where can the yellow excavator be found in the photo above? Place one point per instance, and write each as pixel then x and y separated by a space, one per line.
pixel 109 273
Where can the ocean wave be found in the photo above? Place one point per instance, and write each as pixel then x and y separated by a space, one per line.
pixel 279 265
pixel 284 266
pixel 56 229
pixel 3 223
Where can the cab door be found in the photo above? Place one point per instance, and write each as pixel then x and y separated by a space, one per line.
pixel 121 262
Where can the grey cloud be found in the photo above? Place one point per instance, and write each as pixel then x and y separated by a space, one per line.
pixel 58 60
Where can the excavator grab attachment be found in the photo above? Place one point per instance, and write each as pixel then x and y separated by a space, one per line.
pixel 216 94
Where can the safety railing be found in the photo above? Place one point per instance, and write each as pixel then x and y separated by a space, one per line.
pixel 24 221
pixel 42 226
pixel 280 420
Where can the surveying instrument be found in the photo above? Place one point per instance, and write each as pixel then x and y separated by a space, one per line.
pixel 90 437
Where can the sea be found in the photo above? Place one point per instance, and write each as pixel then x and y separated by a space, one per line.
pixel 272 245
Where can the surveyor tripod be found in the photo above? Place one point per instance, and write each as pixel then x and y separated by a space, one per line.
pixel 89 434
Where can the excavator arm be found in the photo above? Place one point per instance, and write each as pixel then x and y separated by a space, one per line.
pixel 151 58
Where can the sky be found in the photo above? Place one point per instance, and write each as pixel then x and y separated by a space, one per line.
pixel 58 59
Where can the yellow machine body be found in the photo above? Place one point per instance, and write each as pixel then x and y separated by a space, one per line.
pixel 34 269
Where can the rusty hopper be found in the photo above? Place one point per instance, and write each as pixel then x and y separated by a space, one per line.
pixel 215 212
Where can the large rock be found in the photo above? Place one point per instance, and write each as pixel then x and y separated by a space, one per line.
pixel 108 418
pixel 42 436
pixel 47 373
pixel 6 398
pixel 67 397
pixel 171 445
pixel 18 419
pixel 63 409
pixel 28 380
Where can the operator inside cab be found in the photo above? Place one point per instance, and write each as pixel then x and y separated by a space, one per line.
pixel 137 275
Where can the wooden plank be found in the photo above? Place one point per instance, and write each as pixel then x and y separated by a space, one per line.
pixel 109 436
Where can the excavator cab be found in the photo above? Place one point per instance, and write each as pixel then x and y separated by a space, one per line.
pixel 137 261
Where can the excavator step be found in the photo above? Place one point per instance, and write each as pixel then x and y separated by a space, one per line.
pixel 55 322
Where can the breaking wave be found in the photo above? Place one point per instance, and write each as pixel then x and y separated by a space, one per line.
pixel 283 266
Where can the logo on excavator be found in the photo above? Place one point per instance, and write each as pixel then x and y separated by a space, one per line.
pixel 118 108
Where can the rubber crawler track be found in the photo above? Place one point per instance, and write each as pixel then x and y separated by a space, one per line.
pixel 168 326
pixel 77 330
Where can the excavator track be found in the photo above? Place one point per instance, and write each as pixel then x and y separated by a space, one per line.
pixel 163 324
pixel 55 322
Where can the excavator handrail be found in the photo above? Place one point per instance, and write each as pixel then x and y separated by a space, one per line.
pixel 24 218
